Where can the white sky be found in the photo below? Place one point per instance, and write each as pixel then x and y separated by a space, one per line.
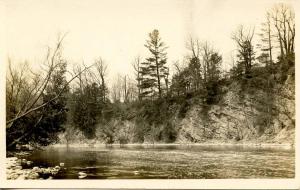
pixel 117 30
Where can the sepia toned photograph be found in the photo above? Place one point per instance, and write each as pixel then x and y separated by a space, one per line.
pixel 171 89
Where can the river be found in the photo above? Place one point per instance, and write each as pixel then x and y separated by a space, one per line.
pixel 169 162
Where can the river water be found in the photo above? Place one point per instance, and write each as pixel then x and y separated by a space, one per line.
pixel 169 162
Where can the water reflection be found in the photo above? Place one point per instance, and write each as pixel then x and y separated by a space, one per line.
pixel 170 161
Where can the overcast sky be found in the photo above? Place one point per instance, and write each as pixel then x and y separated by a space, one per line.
pixel 116 30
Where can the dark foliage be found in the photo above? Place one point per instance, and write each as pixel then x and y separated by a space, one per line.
pixel 43 126
pixel 87 105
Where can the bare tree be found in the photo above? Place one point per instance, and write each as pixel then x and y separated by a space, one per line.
pixel 283 18
pixel 19 88
pixel 51 63
pixel 177 66
pixel 116 89
pixel 194 46
pixel 128 89
pixel 206 54
pixel 33 101
pixel 132 90
pixel 101 68
pixel 243 38
pixel 125 89
pixel 267 40
pixel 77 72
pixel 166 74
pixel 137 69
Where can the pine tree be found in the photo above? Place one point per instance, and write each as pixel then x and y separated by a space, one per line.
pixel 147 82
pixel 154 66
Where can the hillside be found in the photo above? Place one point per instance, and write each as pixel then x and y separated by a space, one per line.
pixel 252 115
pixel 259 109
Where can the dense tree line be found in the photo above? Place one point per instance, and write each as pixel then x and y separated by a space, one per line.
pixel 41 105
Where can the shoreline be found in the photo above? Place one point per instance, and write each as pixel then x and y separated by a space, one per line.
pixel 247 144
pixel 21 169
pixel 15 165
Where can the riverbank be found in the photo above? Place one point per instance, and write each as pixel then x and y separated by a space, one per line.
pixel 246 144
pixel 20 169
pixel 162 161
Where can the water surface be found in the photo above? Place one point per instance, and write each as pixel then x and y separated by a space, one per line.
pixel 169 162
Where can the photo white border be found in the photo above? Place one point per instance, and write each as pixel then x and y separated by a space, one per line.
pixel 146 184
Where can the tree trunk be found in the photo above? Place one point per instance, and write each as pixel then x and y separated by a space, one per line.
pixel 158 77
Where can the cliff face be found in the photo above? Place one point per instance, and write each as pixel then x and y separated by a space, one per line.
pixel 260 109
pixel 245 113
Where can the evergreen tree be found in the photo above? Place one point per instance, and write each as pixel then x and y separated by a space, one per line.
pixel 54 115
pixel 155 67
pixel 147 82
pixel 213 77
pixel 86 110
